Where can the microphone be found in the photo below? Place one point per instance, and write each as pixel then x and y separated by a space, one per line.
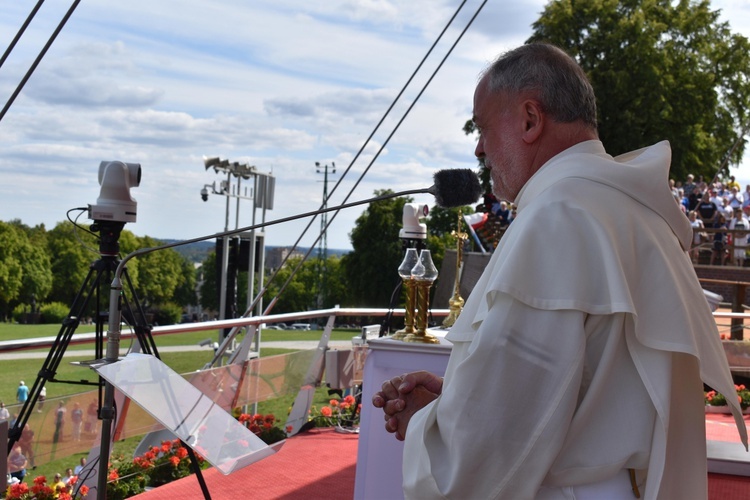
pixel 455 187
pixel 452 188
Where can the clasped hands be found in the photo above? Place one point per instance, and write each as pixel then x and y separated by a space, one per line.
pixel 401 397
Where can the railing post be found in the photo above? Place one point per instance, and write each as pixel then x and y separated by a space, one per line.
pixel 738 307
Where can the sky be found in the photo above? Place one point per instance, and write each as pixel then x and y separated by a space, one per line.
pixel 279 85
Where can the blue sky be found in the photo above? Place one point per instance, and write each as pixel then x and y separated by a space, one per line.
pixel 277 84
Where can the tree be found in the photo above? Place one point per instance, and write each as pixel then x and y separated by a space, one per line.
pixel 25 269
pixel 371 268
pixel 73 250
pixel 661 70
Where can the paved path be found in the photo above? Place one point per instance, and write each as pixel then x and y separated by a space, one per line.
pixel 289 344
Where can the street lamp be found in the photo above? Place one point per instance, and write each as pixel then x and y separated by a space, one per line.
pixel 231 187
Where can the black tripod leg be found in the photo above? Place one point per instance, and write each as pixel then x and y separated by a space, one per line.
pixel 198 472
pixel 52 362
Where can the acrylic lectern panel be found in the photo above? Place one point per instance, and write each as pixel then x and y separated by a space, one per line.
pixel 191 415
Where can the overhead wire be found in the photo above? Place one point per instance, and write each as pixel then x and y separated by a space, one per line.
pixel 264 289
pixel 39 58
pixel 375 157
pixel 20 32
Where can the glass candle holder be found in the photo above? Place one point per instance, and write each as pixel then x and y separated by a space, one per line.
pixel 424 274
pixel 404 271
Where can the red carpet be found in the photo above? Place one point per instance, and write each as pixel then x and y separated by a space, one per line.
pixel 321 464
pixel 317 464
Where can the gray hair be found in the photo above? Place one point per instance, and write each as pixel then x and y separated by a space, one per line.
pixel 559 83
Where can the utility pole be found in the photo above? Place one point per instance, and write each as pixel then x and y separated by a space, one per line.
pixel 323 243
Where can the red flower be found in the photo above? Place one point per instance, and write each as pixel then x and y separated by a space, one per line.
pixel 84 490
pixel 113 475
pixel 73 480
pixel 175 461
pixel 326 411
pixel 350 399
pixel 181 452
pixel 289 429
pixel 333 403
pixel 40 480
pixel 16 490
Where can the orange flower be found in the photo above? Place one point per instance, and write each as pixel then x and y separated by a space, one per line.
pixel 175 461
pixel 84 490
pixel 326 411
pixel 333 403
pixel 289 429
pixel 181 452
pixel 40 480
pixel 113 475
pixel 350 399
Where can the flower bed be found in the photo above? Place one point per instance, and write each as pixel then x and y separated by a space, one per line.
pixel 717 403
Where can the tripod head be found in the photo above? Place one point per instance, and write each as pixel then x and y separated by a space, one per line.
pixel 109 231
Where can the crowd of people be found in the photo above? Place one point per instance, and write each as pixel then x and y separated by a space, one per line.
pixel 716 205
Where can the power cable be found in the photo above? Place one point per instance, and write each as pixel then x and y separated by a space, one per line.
pixel 39 58
pixel 364 145
pixel 21 31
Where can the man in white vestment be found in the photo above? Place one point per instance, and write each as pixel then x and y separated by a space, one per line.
pixel 578 360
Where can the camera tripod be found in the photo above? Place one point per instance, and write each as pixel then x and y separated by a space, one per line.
pixel 96 286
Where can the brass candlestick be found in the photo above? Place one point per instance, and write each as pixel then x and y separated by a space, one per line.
pixel 404 270
pixel 424 274
pixel 456 303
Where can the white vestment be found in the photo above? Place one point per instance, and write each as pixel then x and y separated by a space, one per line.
pixel 581 350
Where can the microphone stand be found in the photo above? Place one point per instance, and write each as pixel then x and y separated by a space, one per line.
pixel 115 312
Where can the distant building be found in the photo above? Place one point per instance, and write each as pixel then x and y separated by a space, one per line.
pixel 276 255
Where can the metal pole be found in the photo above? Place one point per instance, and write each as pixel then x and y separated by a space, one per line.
pixel 224 261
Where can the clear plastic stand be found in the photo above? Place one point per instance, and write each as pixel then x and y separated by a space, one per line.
pixel 190 414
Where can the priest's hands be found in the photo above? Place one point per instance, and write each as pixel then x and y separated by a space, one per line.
pixel 401 397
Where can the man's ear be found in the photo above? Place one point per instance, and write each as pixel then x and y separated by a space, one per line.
pixel 534 121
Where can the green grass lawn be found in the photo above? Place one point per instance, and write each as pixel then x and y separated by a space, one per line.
pixel 11 371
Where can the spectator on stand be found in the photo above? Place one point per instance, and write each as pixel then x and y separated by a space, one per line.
pixel 739 239
pixel 79 467
pixel 746 197
pixel 694 197
pixel 733 183
pixel 58 486
pixel 698 235
pixel 718 253
pixel 708 212
pixel 4 413
pixel 68 476
pixel 735 198
pixel 726 210
pixel 689 185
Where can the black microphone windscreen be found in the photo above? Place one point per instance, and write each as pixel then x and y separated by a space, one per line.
pixel 456 187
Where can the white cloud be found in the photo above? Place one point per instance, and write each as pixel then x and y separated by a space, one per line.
pixel 280 84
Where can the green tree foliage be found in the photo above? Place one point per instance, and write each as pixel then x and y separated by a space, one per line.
pixel 73 251
pixel 661 69
pixel 371 268
pixel 25 268
pixel 300 294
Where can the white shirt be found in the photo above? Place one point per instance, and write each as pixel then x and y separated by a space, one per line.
pixel 563 362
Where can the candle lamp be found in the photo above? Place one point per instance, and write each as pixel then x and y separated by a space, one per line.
pixel 424 274
pixel 404 270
